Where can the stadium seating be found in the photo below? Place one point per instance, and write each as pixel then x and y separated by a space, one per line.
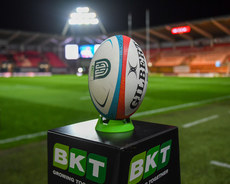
pixel 2 58
pixel 34 58
pixel 27 59
pixel 193 60
pixel 207 59
pixel 21 60
pixel 54 60
pixel 32 61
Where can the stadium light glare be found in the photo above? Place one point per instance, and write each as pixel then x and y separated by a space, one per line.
pixel 83 21
pixel 76 15
pixel 83 17
pixel 82 9
pixel 95 21
pixel 80 69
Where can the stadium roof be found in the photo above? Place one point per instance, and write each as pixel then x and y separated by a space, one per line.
pixel 210 28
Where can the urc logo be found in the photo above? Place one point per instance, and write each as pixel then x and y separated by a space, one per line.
pixel 145 164
pixel 101 69
pixel 93 166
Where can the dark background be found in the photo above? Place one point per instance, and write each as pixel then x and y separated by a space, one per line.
pixel 49 16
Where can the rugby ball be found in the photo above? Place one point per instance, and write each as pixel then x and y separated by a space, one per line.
pixel 118 77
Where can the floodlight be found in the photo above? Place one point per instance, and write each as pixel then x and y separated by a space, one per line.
pixel 76 15
pixel 82 9
pixel 74 21
pixel 73 15
pixel 94 21
pixel 92 15
pixel 83 16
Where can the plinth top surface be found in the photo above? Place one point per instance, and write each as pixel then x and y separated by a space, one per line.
pixel 86 130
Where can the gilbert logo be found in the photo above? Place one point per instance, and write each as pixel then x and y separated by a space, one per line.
pixel 101 69
pixel 142 78
pixel 76 161
pixel 132 69
pixel 148 162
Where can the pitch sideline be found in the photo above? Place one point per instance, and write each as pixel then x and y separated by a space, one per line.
pixel 26 136
pixel 164 109
pixel 22 137
pixel 203 120
pixel 220 164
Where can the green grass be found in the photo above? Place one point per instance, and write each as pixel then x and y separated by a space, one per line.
pixel 201 143
pixel 30 105
pixel 26 164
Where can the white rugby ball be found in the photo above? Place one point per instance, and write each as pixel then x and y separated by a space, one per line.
pixel 118 77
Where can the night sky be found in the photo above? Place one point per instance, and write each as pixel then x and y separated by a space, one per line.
pixel 49 16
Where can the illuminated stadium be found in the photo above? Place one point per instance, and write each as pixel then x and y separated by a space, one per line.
pixel 44 68
pixel 186 48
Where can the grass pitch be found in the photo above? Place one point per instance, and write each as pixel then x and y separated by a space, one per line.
pixel 31 105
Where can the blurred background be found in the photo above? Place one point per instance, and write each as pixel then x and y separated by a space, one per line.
pixel 45 50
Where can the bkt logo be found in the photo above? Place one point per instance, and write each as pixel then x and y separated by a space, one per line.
pixel 77 162
pixel 145 164
pixel 101 69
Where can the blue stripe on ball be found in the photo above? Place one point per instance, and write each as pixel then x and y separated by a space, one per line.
pixel 113 108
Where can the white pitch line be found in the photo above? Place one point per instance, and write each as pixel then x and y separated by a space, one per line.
pixel 155 111
pixel 203 120
pixel 164 109
pixel 29 136
pixel 220 164
pixel 22 137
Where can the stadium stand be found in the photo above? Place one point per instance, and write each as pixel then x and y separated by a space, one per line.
pixel 34 57
pixel 7 63
pixel 31 61
pixel 2 58
pixel 205 49
pixel 22 60
pixel 207 59
pixel 54 60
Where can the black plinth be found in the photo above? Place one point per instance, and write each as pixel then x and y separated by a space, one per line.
pixel 79 154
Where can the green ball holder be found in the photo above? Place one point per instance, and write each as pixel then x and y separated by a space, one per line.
pixel 114 126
